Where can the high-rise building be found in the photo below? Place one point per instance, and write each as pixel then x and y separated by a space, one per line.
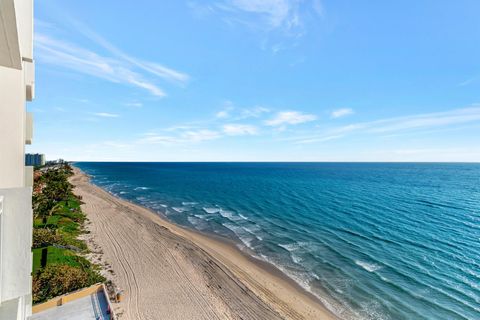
pixel 34 159
pixel 17 85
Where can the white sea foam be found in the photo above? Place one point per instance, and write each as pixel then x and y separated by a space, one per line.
pixel 242 216
pixel 370 267
pixel 189 203
pixel 230 215
pixel 296 258
pixel 211 210
pixel 226 213
pixel 197 223
pixel 240 232
pixel 141 188
pixel 304 280
pixel 164 205
pixel 299 277
pixel 292 248
pixel 123 192
pixel 254 231
pixel 289 246
pixel 180 209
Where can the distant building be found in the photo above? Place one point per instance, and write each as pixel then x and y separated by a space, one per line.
pixel 17 85
pixel 34 159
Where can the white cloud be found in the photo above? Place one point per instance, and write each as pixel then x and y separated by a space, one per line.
pixel 200 135
pixel 319 139
pixel 230 111
pixel 226 111
pixel 428 120
pixel 222 114
pixel 239 129
pixel 180 137
pixel 116 144
pixel 180 128
pixel 113 65
pixel 408 124
pixel 318 7
pixel 134 104
pixel 158 139
pixel 290 117
pixel 67 55
pixel 254 112
pixel 341 113
pixel 163 71
pixel 106 115
pixel 275 11
pixel 151 67
pixel 468 82
pixel 201 10
pixel 289 16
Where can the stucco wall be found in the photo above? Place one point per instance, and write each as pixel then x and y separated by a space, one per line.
pixel 15 243
pixel 12 128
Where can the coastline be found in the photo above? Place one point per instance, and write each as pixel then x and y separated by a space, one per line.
pixel 188 275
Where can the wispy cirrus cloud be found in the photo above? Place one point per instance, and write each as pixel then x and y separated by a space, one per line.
pixel 112 64
pixel 405 124
pixel 200 135
pixel 254 112
pixel 182 137
pixel 468 81
pixel 106 115
pixel 235 129
pixel 429 120
pixel 226 111
pixel 286 16
pixel 231 111
pixel 290 117
pixel 343 112
pixel 134 104
pixel 275 12
pixel 69 56
pixel 154 68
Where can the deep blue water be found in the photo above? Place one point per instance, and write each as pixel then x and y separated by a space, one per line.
pixel 372 240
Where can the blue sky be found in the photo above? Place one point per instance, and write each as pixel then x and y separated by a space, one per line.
pixel 257 80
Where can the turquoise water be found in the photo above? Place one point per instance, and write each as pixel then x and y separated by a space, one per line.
pixel 371 240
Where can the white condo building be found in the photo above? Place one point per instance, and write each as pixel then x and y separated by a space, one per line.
pixel 16 87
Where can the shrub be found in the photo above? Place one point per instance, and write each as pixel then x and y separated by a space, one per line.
pixel 45 237
pixel 55 280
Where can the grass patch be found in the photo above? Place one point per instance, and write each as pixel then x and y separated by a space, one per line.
pixel 55 256
pixel 58 223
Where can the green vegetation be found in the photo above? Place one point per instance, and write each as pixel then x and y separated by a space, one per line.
pixel 58 255
pixel 58 263
pixel 57 279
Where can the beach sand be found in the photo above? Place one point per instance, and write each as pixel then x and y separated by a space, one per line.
pixel 169 272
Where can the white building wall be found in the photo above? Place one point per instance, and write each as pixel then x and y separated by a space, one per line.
pixel 24 15
pixel 15 238
pixel 16 86
pixel 12 127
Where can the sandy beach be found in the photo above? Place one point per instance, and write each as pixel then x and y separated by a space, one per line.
pixel 169 272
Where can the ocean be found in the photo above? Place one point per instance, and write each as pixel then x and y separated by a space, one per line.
pixel 371 240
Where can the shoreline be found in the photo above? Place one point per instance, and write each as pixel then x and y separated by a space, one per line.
pixel 265 290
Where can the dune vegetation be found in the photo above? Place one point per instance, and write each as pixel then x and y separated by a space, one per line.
pixel 59 265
